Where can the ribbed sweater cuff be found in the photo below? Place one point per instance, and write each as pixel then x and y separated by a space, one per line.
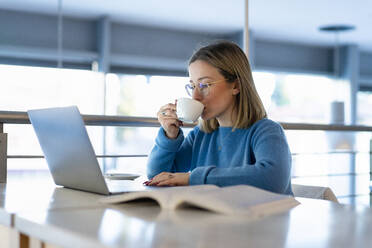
pixel 199 175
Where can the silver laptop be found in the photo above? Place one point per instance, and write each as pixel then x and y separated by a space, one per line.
pixel 70 156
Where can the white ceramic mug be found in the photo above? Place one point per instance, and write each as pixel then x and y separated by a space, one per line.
pixel 189 110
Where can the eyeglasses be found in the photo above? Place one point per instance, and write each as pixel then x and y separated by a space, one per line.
pixel 203 87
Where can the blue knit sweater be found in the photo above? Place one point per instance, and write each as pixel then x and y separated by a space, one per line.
pixel 257 156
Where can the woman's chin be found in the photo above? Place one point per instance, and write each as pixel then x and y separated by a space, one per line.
pixel 205 117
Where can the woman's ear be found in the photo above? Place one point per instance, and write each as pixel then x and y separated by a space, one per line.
pixel 236 88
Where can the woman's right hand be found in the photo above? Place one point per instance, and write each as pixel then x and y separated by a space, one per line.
pixel 168 120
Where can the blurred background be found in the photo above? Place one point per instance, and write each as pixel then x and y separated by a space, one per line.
pixel 311 60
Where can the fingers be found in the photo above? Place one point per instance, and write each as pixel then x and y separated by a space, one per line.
pixel 169 179
pixel 168 110
pixel 167 115
pixel 170 182
pixel 160 178
pixel 160 184
pixel 168 119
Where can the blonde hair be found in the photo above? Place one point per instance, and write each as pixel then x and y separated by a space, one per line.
pixel 233 64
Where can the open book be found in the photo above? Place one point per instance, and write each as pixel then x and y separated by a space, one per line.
pixel 232 200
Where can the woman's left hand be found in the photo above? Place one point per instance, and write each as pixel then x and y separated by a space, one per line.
pixel 169 179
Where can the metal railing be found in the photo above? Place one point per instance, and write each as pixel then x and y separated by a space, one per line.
pixel 15 117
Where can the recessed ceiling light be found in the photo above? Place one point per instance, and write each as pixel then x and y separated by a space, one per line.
pixel 336 28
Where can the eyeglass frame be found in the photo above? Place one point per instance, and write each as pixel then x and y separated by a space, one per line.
pixel 208 85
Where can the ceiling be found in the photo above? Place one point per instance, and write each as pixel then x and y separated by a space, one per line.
pixel 285 20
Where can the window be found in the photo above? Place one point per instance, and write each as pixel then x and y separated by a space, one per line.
pixel 364 103
pixel 24 88
pixel 339 160
pixel 300 97
pixel 287 98
pixel 136 95
pixel 139 95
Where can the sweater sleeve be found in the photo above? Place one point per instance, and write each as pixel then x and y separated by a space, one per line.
pixel 270 170
pixel 170 155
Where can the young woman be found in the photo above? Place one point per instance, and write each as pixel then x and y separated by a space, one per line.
pixel 234 143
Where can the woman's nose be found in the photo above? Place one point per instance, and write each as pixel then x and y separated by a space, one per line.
pixel 196 95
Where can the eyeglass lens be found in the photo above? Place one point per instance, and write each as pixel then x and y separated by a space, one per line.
pixel 201 87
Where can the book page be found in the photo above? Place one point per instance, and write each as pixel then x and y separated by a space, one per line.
pixel 182 194
pixel 241 199
pixel 232 200
pixel 154 195
pixel 164 196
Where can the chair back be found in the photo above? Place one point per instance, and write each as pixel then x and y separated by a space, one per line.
pixel 315 192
